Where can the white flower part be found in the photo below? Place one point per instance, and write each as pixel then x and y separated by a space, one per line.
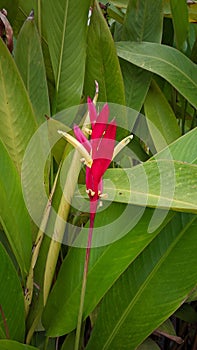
pixel 121 145
pixel 89 16
pixel 96 92
pixel 103 195
pixel 90 192
pixel 87 131
pixel 87 157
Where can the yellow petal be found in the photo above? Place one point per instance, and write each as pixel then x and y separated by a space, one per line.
pixel 121 145
pixel 80 148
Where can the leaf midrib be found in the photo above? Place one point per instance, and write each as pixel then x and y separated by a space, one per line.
pixel 62 48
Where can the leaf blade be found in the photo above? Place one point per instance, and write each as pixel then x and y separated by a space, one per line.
pixel 17 118
pixel 13 212
pixel 67 47
pixel 143 300
pixel 102 62
pixel 29 59
pixel 11 298
pixel 165 61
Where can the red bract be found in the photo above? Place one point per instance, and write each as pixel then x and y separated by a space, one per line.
pixel 100 146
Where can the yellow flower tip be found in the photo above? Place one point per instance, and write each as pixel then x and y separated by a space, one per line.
pixel 123 143
pixel 80 148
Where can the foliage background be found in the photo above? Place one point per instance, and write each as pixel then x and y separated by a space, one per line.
pixel 143 53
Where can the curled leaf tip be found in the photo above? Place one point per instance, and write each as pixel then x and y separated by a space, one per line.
pixel 97 87
pixel 31 15
pixel 121 145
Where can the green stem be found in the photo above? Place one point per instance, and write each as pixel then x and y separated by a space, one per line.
pixel 93 206
pixel 37 245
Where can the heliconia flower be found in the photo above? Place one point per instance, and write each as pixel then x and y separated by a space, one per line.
pixel 97 153
pixel 100 147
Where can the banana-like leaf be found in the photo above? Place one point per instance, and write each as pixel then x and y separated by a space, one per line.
pixel 13 213
pixel 182 150
pixel 165 61
pixel 29 59
pixel 159 112
pixel 60 314
pixel 17 118
pixel 150 290
pixel 11 344
pixel 65 24
pixel 143 22
pixel 162 183
pixel 12 312
pixel 180 20
pixel 102 62
pixel 105 266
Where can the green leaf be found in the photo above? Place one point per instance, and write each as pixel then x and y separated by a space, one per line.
pixel 160 114
pixel 138 25
pixel 65 24
pixel 102 62
pixel 16 114
pixel 182 150
pixel 69 342
pixel 12 315
pixel 148 344
pixel 29 59
pixel 13 213
pixel 165 61
pixel 118 3
pixel 162 184
pixel 150 290
pixel 60 314
pixel 24 10
pixel 143 22
pixel 10 345
pixel 180 22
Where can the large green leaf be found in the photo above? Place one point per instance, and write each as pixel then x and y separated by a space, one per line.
pixel 24 9
pixel 151 289
pixel 13 345
pixel 159 112
pixel 16 114
pixel 29 59
pixel 182 150
pixel 180 20
pixel 162 183
pixel 143 22
pixel 12 316
pixel 102 62
pixel 13 213
pixel 60 315
pixel 65 23
pixel 165 61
